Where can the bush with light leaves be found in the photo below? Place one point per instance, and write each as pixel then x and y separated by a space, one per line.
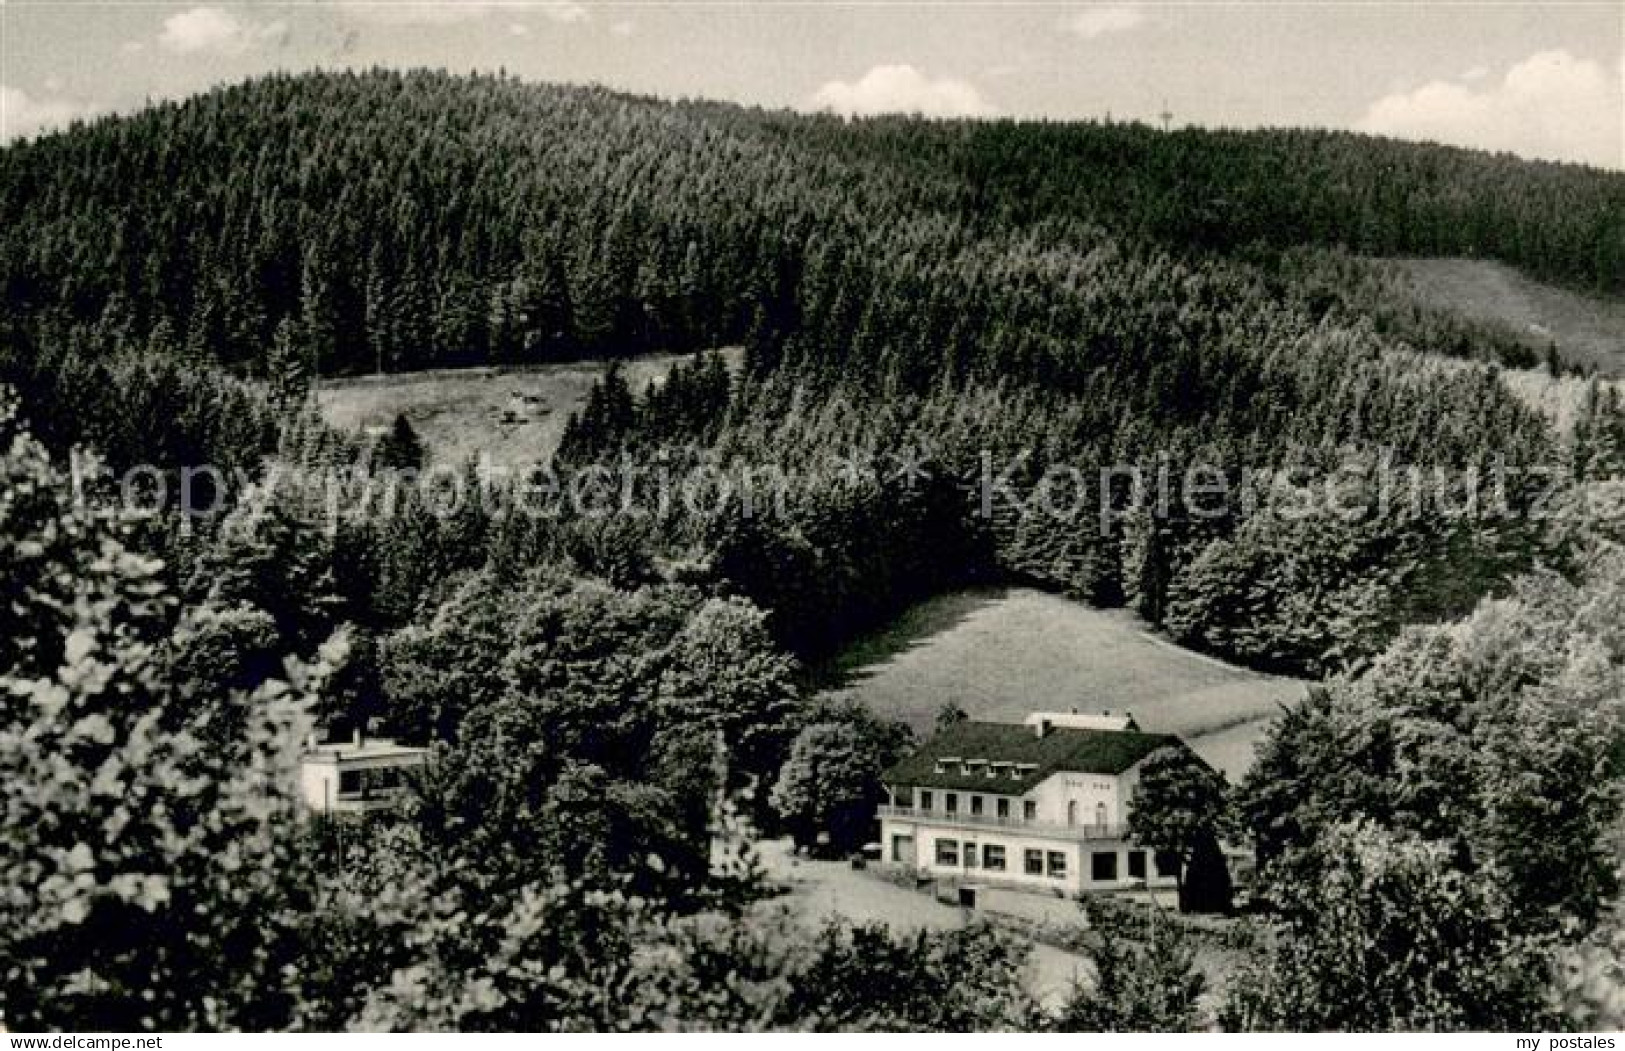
pixel 150 875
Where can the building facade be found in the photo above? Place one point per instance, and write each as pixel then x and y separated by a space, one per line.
pixel 1041 805
pixel 358 776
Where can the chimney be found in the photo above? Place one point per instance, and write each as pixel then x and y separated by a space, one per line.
pixel 356 737
pixel 1041 728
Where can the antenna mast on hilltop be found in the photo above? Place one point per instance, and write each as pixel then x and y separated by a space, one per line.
pixel 1167 117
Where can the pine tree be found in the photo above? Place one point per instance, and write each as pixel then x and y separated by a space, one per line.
pixel 288 368
pixel 401 449
pixel 318 313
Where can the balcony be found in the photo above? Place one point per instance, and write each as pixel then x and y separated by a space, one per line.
pixel 963 819
pixel 366 800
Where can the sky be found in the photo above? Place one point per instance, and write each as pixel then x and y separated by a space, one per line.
pixel 1539 79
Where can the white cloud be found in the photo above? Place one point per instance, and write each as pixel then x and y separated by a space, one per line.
pixel 214 30
pixel 416 12
pixel 451 12
pixel 901 89
pixel 1551 105
pixel 565 12
pixel 23 116
pixel 1099 21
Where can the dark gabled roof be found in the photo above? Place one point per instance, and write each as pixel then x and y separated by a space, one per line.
pixel 1079 751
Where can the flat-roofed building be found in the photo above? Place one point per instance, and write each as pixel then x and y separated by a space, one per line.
pixel 358 776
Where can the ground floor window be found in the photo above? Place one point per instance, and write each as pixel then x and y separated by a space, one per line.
pixel 947 852
pixel 363 782
pixel 1034 863
pixel 1136 864
pixel 993 858
pixel 1167 863
pixel 1103 866
pixel 902 848
pixel 1057 865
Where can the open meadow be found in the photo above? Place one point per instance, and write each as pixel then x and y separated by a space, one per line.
pixel 1004 652
pixel 510 416
pixel 1588 330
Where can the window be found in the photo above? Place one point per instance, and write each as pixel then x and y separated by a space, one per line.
pixel 970 855
pixel 993 858
pixel 365 782
pixel 1033 863
pixel 1003 808
pixel 1029 810
pixel 1071 812
pixel 976 806
pixel 951 801
pixel 902 849
pixel 947 852
pixel 925 800
pixel 1136 864
pixel 1167 864
pixel 1103 866
pixel 1057 865
pixel 1100 815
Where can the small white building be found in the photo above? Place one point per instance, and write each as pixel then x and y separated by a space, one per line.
pixel 359 776
pixel 1040 805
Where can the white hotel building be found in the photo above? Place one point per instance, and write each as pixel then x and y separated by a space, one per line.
pixel 1041 805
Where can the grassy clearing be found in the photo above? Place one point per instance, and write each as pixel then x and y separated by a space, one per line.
pixel 1004 652
pixel 1588 330
pixel 512 416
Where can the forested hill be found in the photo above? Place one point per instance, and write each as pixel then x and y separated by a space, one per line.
pixel 1259 190
pixel 1067 297
pixel 387 221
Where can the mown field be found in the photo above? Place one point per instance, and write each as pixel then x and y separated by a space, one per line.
pixel 1004 652
pixel 512 416
pixel 1588 330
